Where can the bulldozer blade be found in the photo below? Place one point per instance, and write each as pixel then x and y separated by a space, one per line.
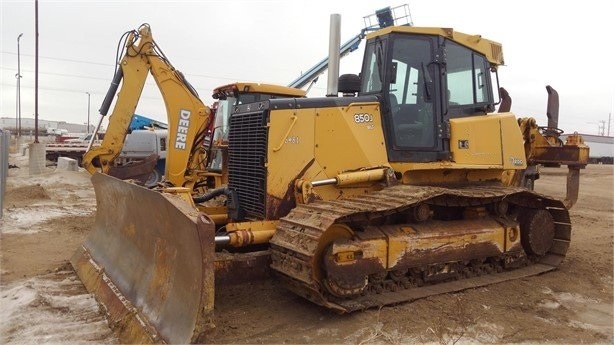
pixel 149 260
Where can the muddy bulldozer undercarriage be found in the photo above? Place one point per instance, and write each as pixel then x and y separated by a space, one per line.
pixel 414 218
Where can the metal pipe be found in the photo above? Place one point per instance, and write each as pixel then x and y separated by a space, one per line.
pixel 36 74
pixel 222 240
pixel 18 76
pixel 324 182
pixel 17 106
pixel 334 55
pixel 88 113
pixel 89 146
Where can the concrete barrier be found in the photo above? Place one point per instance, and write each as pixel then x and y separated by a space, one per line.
pixel 36 158
pixel 68 164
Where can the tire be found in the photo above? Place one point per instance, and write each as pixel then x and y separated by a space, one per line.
pixel 153 179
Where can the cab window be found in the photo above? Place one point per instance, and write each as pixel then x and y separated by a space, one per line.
pixel 411 93
pixel 371 79
pixel 465 68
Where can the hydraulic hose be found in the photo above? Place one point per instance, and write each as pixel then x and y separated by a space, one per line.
pixel 211 194
pixel 108 98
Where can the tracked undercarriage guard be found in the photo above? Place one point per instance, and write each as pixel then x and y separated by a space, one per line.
pixel 386 263
pixel 150 262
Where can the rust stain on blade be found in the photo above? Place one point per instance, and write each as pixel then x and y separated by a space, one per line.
pixel 150 261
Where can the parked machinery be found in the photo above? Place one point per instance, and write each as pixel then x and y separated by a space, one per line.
pixel 411 188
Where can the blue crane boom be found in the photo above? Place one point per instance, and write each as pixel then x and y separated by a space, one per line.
pixel 385 17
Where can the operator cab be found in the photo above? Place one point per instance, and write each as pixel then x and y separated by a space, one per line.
pixel 425 78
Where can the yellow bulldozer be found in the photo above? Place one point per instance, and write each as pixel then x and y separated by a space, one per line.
pixel 409 185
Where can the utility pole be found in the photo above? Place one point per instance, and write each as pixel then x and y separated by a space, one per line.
pixel 17 106
pixel 609 123
pixel 88 112
pixel 36 73
pixel 18 76
pixel 601 127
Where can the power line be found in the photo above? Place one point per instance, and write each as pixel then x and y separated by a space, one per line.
pixel 61 74
pixel 148 82
pixel 62 59
pixel 75 91
pixel 112 65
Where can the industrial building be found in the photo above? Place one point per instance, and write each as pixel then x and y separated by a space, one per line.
pixel 44 126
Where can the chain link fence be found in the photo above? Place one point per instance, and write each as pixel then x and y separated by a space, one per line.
pixel 5 138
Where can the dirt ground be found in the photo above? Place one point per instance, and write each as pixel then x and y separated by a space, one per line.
pixel 47 216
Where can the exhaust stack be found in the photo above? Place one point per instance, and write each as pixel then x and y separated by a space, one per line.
pixel 552 110
pixel 334 56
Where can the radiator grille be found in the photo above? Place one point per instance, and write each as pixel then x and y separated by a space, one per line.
pixel 247 150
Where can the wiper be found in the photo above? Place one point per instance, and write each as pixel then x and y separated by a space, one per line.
pixel 428 82
pixel 379 57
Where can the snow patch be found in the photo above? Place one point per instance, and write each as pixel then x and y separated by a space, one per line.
pixel 588 313
pixel 54 308
pixel 32 219
pixel 549 304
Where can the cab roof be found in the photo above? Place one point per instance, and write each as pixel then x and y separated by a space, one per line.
pixel 491 49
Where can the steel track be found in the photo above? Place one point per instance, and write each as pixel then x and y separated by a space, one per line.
pixel 294 246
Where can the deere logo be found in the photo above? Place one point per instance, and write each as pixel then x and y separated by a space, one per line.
pixel 182 129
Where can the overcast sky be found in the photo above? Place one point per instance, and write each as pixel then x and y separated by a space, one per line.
pixel 560 43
